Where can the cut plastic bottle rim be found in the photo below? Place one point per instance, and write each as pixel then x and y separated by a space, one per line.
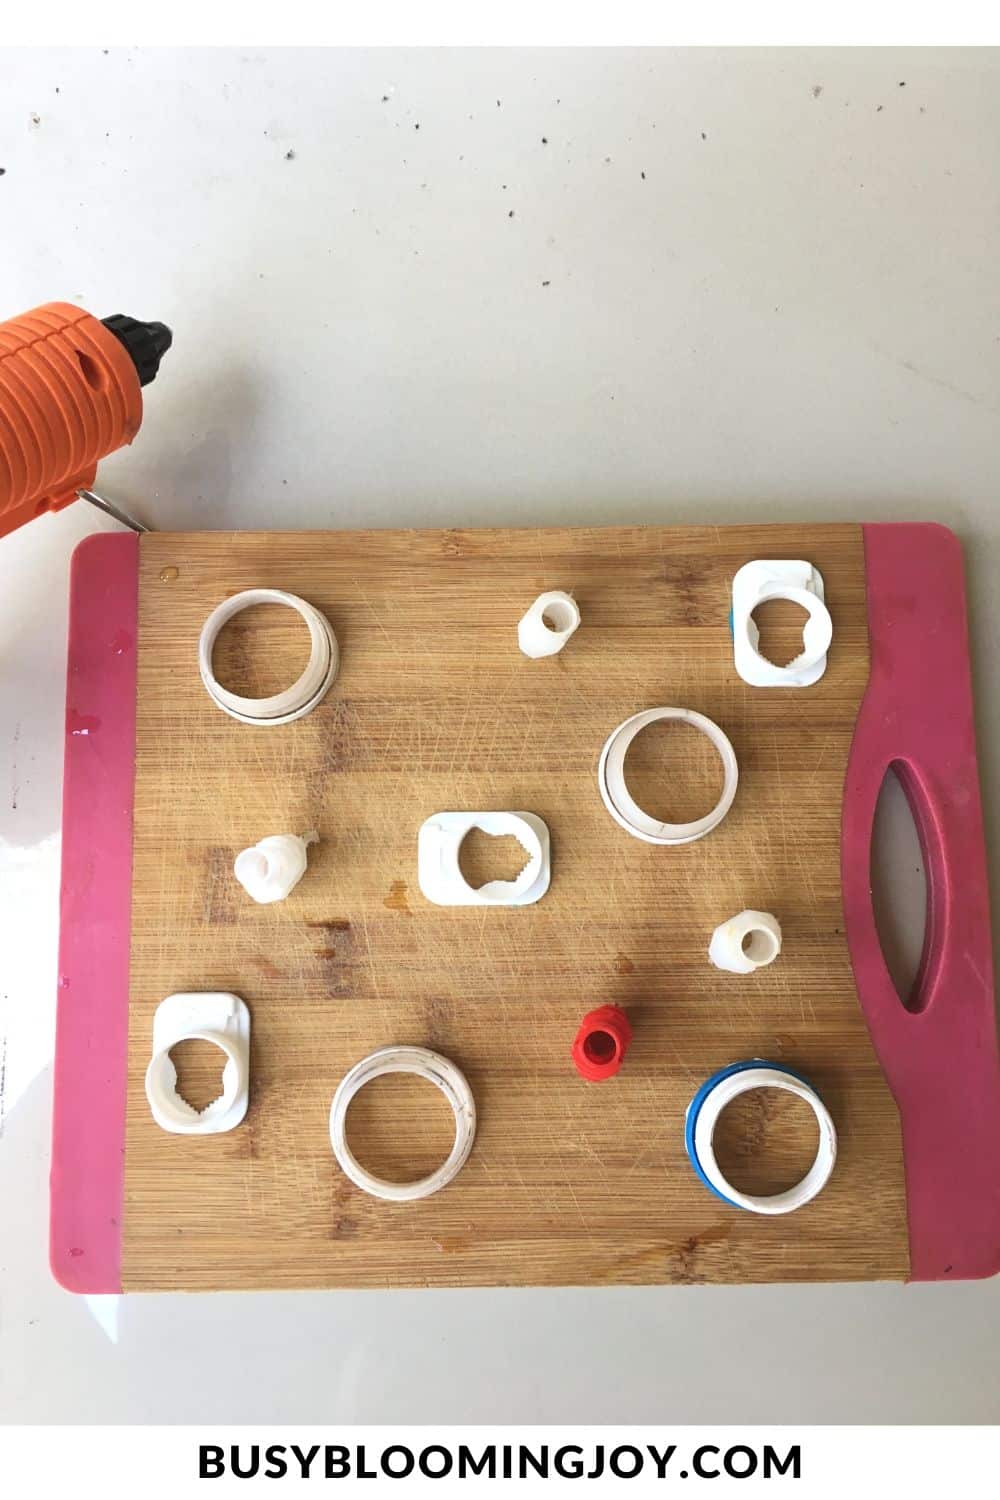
pixel 749 941
pixel 703 1116
pixel 249 863
pixel 509 825
pixel 559 616
pixel 798 582
pixel 621 804
pixel 304 694
pixel 760 946
pixel 601 1042
pixel 817 632
pixel 601 1047
pixel 439 841
pixel 548 623
pixel 223 1021
pixel 424 1064
pixel 161 1080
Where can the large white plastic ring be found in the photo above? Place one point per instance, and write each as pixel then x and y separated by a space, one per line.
pixel 302 697
pixel 425 1064
pixel 713 1098
pixel 623 807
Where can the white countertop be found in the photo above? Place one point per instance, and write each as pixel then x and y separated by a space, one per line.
pixel 592 287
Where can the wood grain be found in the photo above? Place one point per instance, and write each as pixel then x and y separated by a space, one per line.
pixel 435 708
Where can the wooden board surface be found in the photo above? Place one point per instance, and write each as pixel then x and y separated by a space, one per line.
pixel 435 708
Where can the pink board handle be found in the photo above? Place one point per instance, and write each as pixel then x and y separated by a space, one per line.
pixel 88 1116
pixel 940 1057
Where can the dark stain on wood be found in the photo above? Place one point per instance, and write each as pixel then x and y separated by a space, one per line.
pixel 219 906
pixel 265 966
pixel 343 744
pixel 396 899
pixel 452 1244
pixel 685 1260
pixel 437 1022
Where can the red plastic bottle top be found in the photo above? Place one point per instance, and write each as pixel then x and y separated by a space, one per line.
pixel 601 1043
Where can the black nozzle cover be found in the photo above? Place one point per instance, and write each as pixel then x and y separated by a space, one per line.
pixel 146 343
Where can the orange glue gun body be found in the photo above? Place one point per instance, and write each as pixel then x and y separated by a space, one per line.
pixel 70 393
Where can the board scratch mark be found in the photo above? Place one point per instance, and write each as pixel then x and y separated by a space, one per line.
pixel 467 702
pixel 378 623
pixel 371 957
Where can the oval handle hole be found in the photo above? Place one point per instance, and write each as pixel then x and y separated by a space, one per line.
pixel 899 885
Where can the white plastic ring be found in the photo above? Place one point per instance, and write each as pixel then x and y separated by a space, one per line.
pixel 626 811
pixel 303 696
pixel 175 1113
pixel 425 1064
pixel 713 1098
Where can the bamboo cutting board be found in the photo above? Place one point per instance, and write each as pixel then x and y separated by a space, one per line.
pixel 435 708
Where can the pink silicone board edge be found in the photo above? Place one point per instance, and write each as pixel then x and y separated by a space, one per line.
pixel 88 1121
pixel 940 1059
